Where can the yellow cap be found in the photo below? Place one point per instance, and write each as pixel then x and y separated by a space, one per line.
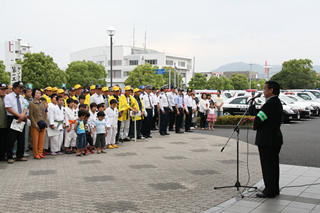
pixel 42 90
pixel 60 91
pixel 54 88
pixel 78 86
pixel 115 88
pixel 127 88
pixel 93 87
pixel 49 88
pixel 105 89
pixel 136 90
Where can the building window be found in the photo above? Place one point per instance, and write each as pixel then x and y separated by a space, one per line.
pixel 100 63
pixel 116 74
pixel 169 62
pixel 133 62
pixel 181 64
pixel 115 62
pixel 126 73
pixel 16 51
pixel 152 61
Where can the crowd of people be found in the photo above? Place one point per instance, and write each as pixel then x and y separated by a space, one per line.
pixel 84 121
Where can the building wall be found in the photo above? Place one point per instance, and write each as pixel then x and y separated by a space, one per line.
pixel 15 50
pixel 254 75
pixel 125 59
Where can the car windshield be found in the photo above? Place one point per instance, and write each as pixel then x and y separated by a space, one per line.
pixel 311 95
pixel 227 95
pixel 298 98
pixel 316 94
pixel 287 100
pixel 293 98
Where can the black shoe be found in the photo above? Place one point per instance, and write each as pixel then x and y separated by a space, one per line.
pixel 261 195
pixel 149 136
pixel 68 152
pixel 171 130
pixel 120 140
pixel 162 134
pixel 189 131
pixel 179 132
pixel 126 139
pixel 166 133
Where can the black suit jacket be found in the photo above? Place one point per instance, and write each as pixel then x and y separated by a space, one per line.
pixel 268 122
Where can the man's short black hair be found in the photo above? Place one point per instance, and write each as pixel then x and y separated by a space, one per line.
pixel 69 100
pixel 83 106
pixel 113 101
pixel 93 105
pixel 82 112
pixel 101 113
pixel 76 101
pixel 53 95
pixel 275 86
pixel 58 98
pixel 87 114
pixel 82 97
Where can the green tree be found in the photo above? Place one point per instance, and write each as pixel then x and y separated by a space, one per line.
pixel 40 70
pixel 4 76
pixel 296 74
pixel 254 84
pixel 166 76
pixel 215 83
pixel 199 81
pixel 318 82
pixel 144 75
pixel 227 83
pixel 239 81
pixel 261 82
pixel 85 73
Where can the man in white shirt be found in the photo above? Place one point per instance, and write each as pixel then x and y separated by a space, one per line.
pixel 97 97
pixel 188 104
pixel 164 111
pixel 172 114
pixel 16 110
pixel 149 112
pixel 155 108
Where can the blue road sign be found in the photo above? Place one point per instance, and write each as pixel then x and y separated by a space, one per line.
pixel 160 71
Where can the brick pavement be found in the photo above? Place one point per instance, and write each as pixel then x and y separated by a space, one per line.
pixel 175 173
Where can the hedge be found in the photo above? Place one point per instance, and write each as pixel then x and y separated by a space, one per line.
pixel 234 120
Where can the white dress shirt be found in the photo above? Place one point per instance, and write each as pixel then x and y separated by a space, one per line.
pixel 163 101
pixel 148 103
pixel 155 99
pixel 187 102
pixel 171 97
pixel 95 98
pixel 10 101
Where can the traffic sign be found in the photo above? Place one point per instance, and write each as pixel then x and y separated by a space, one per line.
pixel 30 86
pixel 63 85
pixel 160 71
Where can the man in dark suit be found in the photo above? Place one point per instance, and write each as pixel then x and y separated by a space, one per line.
pixel 269 138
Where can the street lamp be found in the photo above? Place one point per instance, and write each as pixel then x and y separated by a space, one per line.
pixel 258 85
pixel 111 31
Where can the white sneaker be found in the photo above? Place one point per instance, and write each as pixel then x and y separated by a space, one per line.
pixel 192 128
pixel 26 155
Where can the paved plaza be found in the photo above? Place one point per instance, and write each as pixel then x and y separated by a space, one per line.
pixel 175 173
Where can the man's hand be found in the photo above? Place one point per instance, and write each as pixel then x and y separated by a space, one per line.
pixel 142 113
pixel 69 128
pixel 21 118
pixel 52 126
pixel 64 126
pixel 188 113
pixel 178 113
pixel 171 110
pixel 163 112
pixel 92 133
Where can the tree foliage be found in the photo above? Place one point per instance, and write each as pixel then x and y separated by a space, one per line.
pixel 296 74
pixel 85 73
pixel 215 83
pixel 40 70
pixel 144 75
pixel 261 82
pixel 227 83
pixel 239 81
pixel 166 76
pixel 4 76
pixel 254 84
pixel 199 82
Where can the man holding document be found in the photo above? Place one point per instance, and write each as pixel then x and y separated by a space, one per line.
pixel 16 118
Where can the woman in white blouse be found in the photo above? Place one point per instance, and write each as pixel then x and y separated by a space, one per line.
pixel 204 106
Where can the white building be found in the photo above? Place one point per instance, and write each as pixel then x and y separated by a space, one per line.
pixel 126 58
pixel 14 50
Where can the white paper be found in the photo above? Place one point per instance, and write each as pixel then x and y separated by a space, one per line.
pixel 17 126
pixel 52 132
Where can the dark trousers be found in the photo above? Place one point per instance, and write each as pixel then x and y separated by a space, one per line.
pixel 89 139
pixel 12 137
pixel 203 120
pixel 3 142
pixel 164 120
pixel 138 128
pixel 252 110
pixel 188 119
pixel 269 158
pixel 154 118
pixel 179 119
pixel 172 116
pixel 117 135
pixel 146 124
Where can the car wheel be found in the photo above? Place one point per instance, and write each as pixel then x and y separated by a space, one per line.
pixel 285 118
pixel 226 113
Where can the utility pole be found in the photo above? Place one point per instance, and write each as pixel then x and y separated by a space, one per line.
pixel 250 73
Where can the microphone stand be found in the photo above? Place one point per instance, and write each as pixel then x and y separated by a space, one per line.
pixel 236 129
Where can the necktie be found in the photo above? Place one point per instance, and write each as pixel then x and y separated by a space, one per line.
pixel 167 99
pixel 149 101
pixel 19 105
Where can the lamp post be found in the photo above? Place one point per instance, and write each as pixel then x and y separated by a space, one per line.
pixel 258 85
pixel 111 31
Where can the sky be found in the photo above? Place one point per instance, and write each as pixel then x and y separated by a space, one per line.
pixel 215 32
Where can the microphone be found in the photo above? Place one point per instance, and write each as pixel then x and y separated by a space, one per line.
pixel 259 95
